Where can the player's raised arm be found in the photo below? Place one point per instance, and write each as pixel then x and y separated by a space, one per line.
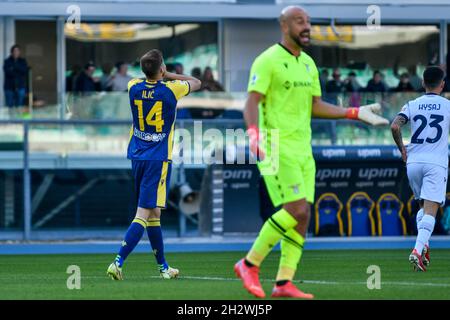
pixel 396 129
pixel 194 83
pixel 367 113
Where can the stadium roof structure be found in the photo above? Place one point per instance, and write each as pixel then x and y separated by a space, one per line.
pixel 408 11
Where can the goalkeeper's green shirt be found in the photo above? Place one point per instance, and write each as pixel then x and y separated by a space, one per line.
pixel 288 84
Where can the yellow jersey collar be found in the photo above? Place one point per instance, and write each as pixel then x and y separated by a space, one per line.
pixel 289 51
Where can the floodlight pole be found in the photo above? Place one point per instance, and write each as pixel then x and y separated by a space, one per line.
pixel 443 50
pixel 181 181
pixel 61 66
pixel 26 184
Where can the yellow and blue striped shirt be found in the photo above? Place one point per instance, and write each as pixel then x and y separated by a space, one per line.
pixel 153 106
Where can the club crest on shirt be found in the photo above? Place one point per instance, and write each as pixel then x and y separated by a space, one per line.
pixel 307 67
pixel 254 78
pixel 295 188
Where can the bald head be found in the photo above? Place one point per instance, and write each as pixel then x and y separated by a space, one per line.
pixel 295 26
pixel 288 12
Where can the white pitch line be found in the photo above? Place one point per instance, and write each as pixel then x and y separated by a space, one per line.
pixel 393 283
pixel 323 282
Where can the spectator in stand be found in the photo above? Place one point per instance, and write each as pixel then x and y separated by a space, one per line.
pixel 72 77
pixel 376 84
pixel 179 69
pixel 16 70
pixel 351 83
pixel 334 87
pixel 196 73
pixel 323 78
pixel 85 81
pixel 121 78
pixel 106 78
pixel 404 85
pixel 352 87
pixel 170 67
pixel 414 79
pixel 208 81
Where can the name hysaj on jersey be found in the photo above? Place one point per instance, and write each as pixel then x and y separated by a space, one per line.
pixel 429 117
pixel 429 106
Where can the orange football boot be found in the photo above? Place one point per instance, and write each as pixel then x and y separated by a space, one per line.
pixel 289 290
pixel 250 278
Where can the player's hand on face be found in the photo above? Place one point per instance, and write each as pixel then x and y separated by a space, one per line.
pixel 163 70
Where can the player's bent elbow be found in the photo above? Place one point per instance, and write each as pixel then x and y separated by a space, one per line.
pixel 196 85
pixel 394 127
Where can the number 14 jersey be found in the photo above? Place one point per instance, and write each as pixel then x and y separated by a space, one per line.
pixel 153 106
pixel 429 116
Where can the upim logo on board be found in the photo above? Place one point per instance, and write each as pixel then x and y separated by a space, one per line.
pixel 372 173
pixel 323 174
pixel 369 153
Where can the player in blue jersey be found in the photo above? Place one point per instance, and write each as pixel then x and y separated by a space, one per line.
pixel 153 102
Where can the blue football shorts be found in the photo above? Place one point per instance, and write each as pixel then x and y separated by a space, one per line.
pixel 152 181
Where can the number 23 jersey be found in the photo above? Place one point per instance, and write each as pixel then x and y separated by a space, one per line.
pixel 429 116
pixel 153 106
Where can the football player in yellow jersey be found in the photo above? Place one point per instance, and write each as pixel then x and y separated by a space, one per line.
pixel 153 104
pixel 284 93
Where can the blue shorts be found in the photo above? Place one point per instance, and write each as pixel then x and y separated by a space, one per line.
pixel 151 178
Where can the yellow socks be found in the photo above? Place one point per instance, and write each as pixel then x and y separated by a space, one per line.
pixel 271 232
pixel 291 252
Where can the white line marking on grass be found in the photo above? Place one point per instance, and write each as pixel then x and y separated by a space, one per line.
pixel 323 282
pixel 392 283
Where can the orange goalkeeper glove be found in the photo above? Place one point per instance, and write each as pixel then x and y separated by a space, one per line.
pixel 254 139
pixel 368 114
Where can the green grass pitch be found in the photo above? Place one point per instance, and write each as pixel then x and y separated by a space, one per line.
pixel 328 274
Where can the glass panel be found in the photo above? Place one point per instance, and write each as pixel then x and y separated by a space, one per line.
pixel 221 105
pixel 353 54
pixel 11 199
pixel 11 177
pixel 37 40
pixel 107 45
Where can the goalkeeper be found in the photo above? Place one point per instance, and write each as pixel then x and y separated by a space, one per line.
pixel 284 93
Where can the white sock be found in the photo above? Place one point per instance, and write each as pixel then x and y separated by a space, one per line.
pixel 425 229
pixel 419 217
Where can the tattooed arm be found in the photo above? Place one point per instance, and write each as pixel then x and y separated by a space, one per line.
pixel 396 129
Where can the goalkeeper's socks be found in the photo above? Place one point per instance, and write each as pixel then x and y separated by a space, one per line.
pixel 156 241
pixel 271 232
pixel 425 229
pixel 132 237
pixel 291 253
pixel 248 263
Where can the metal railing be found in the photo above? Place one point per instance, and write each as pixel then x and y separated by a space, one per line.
pixel 331 131
pixel 27 203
